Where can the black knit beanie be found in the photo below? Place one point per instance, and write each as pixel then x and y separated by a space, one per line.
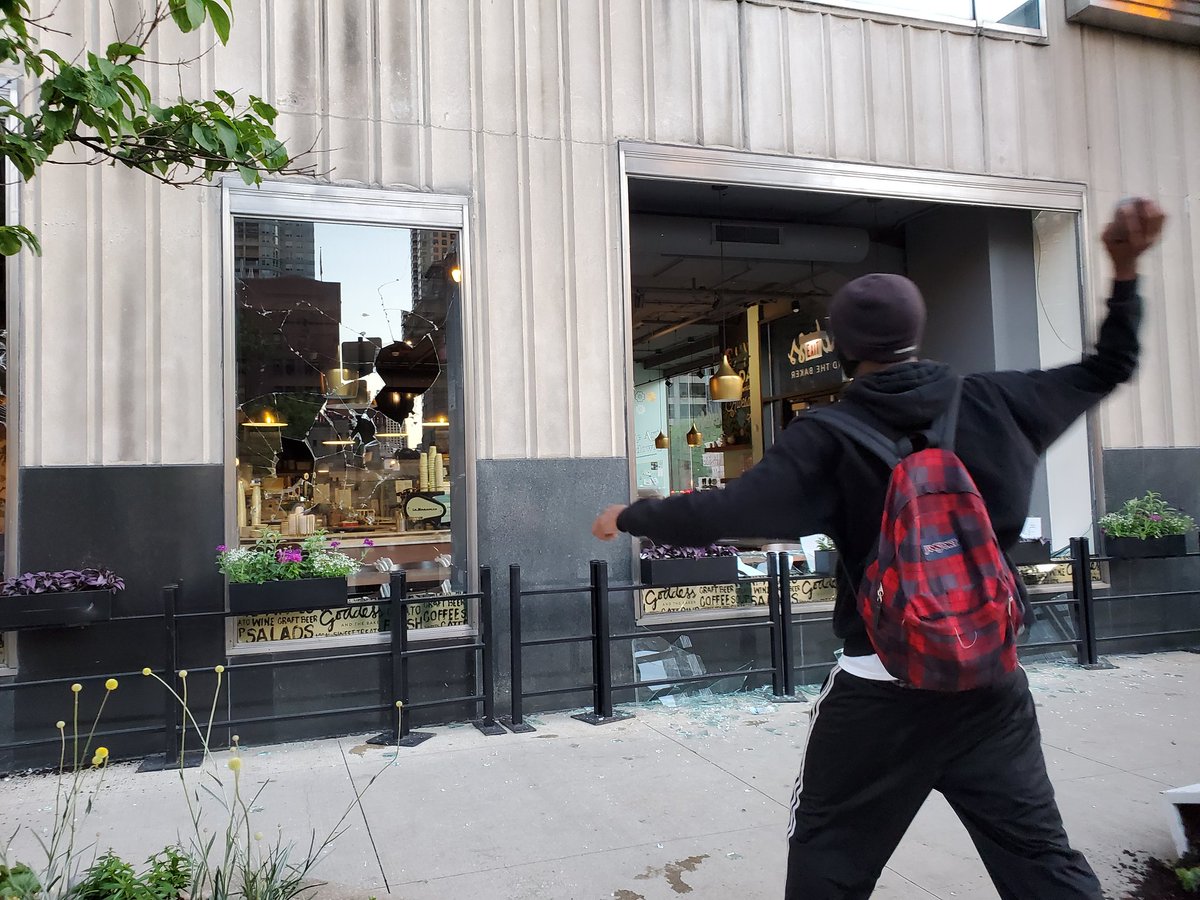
pixel 877 318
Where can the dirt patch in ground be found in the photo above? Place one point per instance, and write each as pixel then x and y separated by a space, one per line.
pixel 1153 879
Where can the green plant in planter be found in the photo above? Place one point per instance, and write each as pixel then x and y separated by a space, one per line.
pixel 825 545
pixel 1146 518
pixel 270 559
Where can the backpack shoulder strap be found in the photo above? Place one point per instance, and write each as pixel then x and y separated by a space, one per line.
pixel 860 432
pixel 945 428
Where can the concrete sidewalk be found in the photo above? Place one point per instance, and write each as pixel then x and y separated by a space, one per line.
pixel 691 800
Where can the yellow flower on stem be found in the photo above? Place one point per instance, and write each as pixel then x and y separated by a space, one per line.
pixel 235 764
pixel 147 671
pixel 183 673
pixel 219 669
pixel 102 752
pixel 76 688
pixel 60 724
pixel 111 684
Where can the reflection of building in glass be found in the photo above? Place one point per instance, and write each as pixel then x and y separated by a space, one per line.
pixel 430 302
pixel 428 247
pixel 271 248
pixel 288 335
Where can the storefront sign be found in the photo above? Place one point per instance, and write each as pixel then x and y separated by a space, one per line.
pixel 348 620
pixel 731 596
pixel 802 362
pixel 419 508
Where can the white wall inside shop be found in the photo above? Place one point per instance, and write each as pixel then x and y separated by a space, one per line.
pixel 521 104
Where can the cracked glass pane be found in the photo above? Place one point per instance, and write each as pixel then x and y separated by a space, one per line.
pixel 347 398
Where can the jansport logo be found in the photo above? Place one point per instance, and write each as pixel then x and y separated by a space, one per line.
pixel 940 548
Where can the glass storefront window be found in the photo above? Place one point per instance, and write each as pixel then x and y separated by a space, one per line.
pixel 347 417
pixel 1021 14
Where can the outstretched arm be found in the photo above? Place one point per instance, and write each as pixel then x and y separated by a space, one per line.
pixel 1045 403
pixel 783 496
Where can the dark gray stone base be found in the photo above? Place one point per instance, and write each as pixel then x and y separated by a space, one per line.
pixel 538 514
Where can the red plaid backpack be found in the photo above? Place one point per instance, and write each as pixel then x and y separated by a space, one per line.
pixel 938 597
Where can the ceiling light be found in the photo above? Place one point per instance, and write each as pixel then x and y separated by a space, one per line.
pixel 726 385
pixel 694 437
pixel 662 442
pixel 267 419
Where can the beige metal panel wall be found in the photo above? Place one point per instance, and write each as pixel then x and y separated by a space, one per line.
pixel 520 104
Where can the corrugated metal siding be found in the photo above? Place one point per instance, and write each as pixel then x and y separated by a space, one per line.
pixel 520 104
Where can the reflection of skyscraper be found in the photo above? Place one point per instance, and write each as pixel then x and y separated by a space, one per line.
pixel 430 301
pixel 272 248
pixel 428 247
pixel 288 334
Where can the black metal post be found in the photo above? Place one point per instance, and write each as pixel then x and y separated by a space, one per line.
pixel 602 712
pixel 516 721
pixel 1088 605
pixel 1079 576
pixel 488 724
pixel 172 749
pixel 777 677
pixel 785 630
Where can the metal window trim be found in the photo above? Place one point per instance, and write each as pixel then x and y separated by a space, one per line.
pixel 402 208
pixel 13 278
pixel 977 25
pixel 734 167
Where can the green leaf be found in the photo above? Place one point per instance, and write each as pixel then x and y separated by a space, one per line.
pixel 250 176
pixel 120 51
pixel 228 137
pixel 220 20
pixel 203 137
pixel 180 15
pixel 225 97
pixel 195 13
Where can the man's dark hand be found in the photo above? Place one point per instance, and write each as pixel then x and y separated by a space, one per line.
pixel 1135 228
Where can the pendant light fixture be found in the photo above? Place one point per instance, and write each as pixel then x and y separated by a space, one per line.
pixel 694 437
pixel 662 442
pixel 726 385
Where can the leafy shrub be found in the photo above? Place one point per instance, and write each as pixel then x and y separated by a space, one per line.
pixel 1146 518
pixel 270 559
pixel 66 581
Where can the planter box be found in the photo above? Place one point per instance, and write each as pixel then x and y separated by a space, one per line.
pixel 303 593
pixel 672 572
pixel 824 562
pixel 59 609
pixel 1030 553
pixel 1153 548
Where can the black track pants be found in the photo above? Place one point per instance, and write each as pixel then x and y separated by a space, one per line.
pixel 876 749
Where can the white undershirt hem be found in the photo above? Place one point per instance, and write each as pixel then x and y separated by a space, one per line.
pixel 868 667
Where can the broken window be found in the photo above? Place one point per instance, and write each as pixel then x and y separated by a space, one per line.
pixel 348 412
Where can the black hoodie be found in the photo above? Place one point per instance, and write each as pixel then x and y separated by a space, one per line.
pixel 815 480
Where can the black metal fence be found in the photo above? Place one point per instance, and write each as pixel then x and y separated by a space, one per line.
pixel 395 703
pixel 784 621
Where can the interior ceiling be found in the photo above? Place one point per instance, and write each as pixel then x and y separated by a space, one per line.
pixel 681 299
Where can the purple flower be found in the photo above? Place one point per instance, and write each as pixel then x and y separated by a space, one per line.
pixel 221 548
pixel 1155 517
pixel 368 543
pixel 333 545
pixel 288 556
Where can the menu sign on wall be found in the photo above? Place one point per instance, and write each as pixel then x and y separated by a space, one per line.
pixel 731 596
pixel 343 621
pixel 802 362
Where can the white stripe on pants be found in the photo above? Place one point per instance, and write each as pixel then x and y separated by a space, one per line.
pixel 812 723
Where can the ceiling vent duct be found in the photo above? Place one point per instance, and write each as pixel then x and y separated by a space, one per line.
pixel 698 238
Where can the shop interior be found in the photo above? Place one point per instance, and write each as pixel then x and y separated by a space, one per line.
pixel 346 335
pixel 730 293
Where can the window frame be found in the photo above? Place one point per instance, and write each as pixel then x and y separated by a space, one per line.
pixel 316 202
pixel 883 8
pixel 13 271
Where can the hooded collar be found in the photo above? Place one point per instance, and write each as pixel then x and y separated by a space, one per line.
pixel 907 396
